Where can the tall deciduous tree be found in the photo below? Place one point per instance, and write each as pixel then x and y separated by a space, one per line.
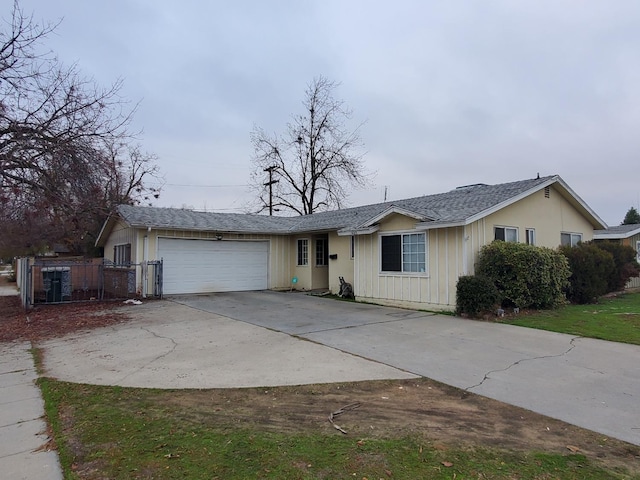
pixel 632 217
pixel 312 165
pixel 65 153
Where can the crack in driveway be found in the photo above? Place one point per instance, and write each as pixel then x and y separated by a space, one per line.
pixel 173 348
pixel 522 360
pixel 346 327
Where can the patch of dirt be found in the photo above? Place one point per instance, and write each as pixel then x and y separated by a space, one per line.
pixel 51 321
pixel 443 415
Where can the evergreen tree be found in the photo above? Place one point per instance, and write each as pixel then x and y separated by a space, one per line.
pixel 632 217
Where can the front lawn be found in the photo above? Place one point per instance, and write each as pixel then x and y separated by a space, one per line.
pixel 406 429
pixel 616 319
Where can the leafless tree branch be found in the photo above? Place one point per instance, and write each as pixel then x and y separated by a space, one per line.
pixel 315 160
pixel 66 157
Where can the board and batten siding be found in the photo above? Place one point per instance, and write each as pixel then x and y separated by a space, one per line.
pixel 122 234
pixel 434 289
pixel 453 251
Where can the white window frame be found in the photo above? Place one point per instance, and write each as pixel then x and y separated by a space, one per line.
pixel 506 229
pixel 531 236
pixel 403 254
pixel 302 252
pixel 638 251
pixel 574 238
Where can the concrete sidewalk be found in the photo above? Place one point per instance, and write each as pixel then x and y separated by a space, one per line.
pixel 23 431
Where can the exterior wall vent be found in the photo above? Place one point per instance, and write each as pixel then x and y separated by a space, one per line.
pixel 547 192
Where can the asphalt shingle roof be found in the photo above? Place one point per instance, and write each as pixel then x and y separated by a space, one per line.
pixel 619 230
pixel 454 206
pixel 180 219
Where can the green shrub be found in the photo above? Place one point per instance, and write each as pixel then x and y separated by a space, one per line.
pixel 591 269
pixel 525 275
pixel 626 266
pixel 475 294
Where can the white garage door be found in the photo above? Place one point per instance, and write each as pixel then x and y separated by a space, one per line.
pixel 205 266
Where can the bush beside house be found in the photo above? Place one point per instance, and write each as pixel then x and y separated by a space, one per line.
pixel 625 264
pixel 591 269
pixel 476 294
pixel 525 276
pixel 599 268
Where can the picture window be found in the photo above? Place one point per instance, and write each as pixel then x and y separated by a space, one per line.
pixel 405 253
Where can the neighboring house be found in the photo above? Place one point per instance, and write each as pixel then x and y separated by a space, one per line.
pixel 406 252
pixel 627 235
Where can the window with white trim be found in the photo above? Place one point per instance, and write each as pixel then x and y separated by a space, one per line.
pixel 531 236
pixel 638 251
pixel 122 254
pixel 322 252
pixel 506 234
pixel 405 253
pixel 570 239
pixel 303 252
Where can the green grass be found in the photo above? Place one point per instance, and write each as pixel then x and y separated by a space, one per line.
pixel 616 319
pixel 126 433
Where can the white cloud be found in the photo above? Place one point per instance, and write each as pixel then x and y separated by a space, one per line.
pixel 453 92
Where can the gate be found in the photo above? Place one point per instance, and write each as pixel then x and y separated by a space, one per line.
pixel 54 281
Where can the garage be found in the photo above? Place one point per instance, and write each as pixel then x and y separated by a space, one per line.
pixel 206 266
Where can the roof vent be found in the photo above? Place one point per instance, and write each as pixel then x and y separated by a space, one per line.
pixel 474 185
pixel 547 192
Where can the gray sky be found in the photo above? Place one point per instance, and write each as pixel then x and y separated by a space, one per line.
pixel 453 93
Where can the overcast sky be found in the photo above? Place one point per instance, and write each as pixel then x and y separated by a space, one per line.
pixel 452 93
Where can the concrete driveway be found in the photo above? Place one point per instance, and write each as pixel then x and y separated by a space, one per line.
pixel 219 340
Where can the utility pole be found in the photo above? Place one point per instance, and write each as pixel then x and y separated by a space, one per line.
pixel 270 185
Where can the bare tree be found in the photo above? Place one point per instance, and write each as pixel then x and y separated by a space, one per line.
pixel 311 166
pixel 58 135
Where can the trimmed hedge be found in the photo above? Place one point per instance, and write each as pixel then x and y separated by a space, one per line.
pixel 526 276
pixel 591 271
pixel 476 294
pixel 625 264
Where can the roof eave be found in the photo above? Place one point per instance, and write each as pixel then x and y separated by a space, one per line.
pixel 436 225
pixel 616 236
pixel 390 211
pixel 358 231
pixel 516 198
pixel 101 239
pixel 597 222
pixel 565 190
pixel 609 236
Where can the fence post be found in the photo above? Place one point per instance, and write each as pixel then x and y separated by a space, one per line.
pixel 101 280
